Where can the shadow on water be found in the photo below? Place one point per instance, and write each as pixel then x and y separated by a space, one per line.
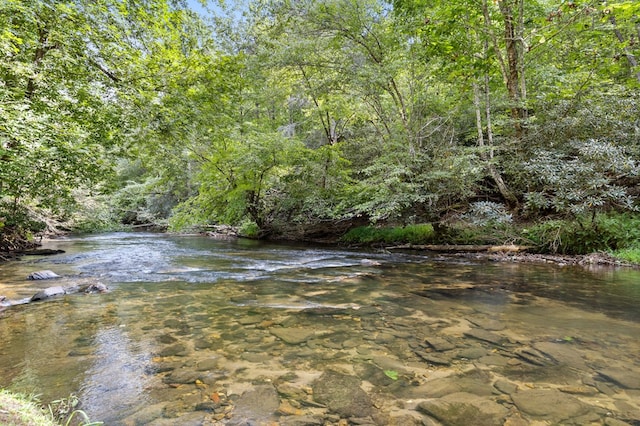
pixel 196 330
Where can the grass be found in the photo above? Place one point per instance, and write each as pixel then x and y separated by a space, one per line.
pixel 631 255
pixel 414 234
pixel 25 410
pixel 22 410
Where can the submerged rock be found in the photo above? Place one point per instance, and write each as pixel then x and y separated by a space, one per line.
pixel 342 394
pixel 256 406
pixel 623 378
pixel 462 409
pixel 549 404
pixel 293 336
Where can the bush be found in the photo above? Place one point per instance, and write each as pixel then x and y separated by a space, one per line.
pixel 249 229
pixel 631 255
pixel 413 234
pixel 606 232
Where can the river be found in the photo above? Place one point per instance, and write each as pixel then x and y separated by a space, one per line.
pixel 196 330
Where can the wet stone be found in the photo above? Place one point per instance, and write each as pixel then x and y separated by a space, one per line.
pixel 475 382
pixel 627 379
pixel 485 336
pixel 257 405
pixel 179 349
pixel 439 344
pixel 472 353
pixel 505 387
pixel 434 359
pixel 208 364
pixel 610 421
pixel 301 421
pixel 167 339
pixel 182 377
pixel 293 336
pixel 563 353
pixel 47 293
pixel 43 275
pixel 533 356
pixel 549 404
pixel 342 394
pixel 207 406
pixel 579 390
pixel 487 324
pixel 459 408
pixel 253 357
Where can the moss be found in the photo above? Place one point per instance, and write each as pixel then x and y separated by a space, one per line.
pixel 21 410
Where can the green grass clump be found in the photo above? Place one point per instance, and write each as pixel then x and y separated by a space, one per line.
pixel 584 235
pixel 631 255
pixel 413 234
pixel 21 410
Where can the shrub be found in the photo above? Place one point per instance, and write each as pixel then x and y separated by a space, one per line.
pixel 605 232
pixel 413 234
pixel 631 255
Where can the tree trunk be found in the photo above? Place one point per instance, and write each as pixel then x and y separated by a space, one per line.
pixel 513 65
pixel 633 63
pixel 493 171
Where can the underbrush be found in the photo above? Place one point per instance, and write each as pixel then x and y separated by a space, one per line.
pixel 26 410
pixel 412 234
pixel 611 232
pixel 631 255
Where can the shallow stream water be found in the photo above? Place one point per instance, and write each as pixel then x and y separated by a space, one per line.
pixel 199 331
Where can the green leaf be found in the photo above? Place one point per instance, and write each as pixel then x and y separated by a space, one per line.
pixel 393 375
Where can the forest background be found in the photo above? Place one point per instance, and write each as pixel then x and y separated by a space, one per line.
pixel 460 121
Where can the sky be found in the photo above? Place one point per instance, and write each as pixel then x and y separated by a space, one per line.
pixel 197 6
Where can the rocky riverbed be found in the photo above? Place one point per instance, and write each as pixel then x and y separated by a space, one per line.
pixel 200 332
pixel 378 365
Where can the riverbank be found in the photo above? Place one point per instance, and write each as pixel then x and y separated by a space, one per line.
pixel 20 410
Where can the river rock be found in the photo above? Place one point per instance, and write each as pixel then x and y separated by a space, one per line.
pixel 292 335
pixel 549 404
pixel 43 275
pixel 485 336
pixel 342 394
pixel 182 377
pixel 462 409
pixel 487 323
pixel 47 293
pixel 256 406
pixel 533 356
pixel 95 288
pixel 179 349
pixel 563 353
pixel 434 359
pixel 439 344
pixel 627 379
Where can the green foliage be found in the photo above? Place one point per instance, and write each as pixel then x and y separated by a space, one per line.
pixel 582 180
pixel 605 232
pixel 413 234
pixel 65 412
pixel 631 255
pixel 249 229
pixel 393 375
pixel 19 409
